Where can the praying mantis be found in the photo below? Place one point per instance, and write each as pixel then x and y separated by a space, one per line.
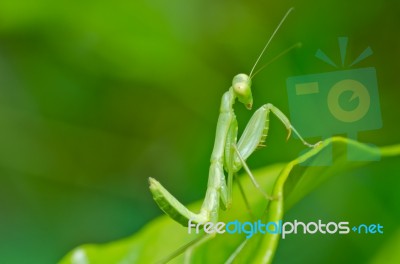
pixel 228 154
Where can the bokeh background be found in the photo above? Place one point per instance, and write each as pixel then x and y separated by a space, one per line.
pixel 96 96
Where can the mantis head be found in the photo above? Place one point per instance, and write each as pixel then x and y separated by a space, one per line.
pixel 242 88
pixel 242 82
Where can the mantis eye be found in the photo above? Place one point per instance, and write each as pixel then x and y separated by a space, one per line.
pixel 240 88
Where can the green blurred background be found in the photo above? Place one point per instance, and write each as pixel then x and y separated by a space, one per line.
pixel 96 96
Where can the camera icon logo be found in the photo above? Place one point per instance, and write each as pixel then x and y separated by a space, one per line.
pixel 338 102
pixel 358 90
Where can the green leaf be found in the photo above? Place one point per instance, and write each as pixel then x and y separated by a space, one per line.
pixel 288 183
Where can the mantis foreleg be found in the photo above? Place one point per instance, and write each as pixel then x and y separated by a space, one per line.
pixel 253 137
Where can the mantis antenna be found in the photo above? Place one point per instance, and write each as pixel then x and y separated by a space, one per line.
pixel 297 45
pixel 272 36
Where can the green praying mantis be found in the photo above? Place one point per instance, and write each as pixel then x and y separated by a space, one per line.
pixel 228 154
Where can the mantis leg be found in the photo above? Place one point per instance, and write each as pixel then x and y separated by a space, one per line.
pixel 252 178
pixel 236 252
pixel 181 250
pixel 230 148
pixel 171 206
pixel 243 194
pixel 189 251
pixel 256 132
pixel 253 137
